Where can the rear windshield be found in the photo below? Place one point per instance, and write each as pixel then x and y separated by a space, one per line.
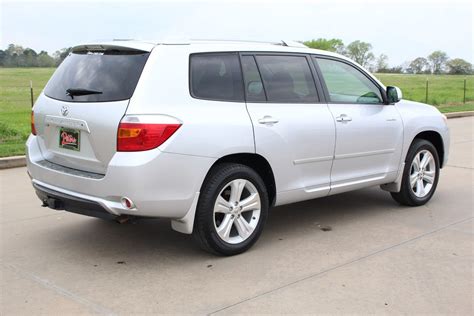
pixel 97 76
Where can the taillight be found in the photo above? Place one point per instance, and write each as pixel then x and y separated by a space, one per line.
pixel 33 129
pixel 138 136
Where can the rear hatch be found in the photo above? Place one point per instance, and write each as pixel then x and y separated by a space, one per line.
pixel 78 114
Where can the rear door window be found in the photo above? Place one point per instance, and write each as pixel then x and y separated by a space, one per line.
pixel 253 82
pixel 287 79
pixel 97 76
pixel 216 76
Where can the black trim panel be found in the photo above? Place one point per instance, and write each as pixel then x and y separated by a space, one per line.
pixel 61 201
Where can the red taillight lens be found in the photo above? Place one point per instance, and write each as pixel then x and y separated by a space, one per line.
pixel 33 129
pixel 143 136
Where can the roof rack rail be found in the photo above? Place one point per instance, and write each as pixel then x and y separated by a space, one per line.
pixel 293 44
pixel 233 41
pixel 288 43
pixel 281 43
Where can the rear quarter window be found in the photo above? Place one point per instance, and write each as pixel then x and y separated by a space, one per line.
pixel 112 74
pixel 216 76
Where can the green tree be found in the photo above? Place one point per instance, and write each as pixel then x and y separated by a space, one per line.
pixel 14 50
pixel 333 45
pixel 29 58
pixel 418 65
pixel 3 57
pixel 360 52
pixel 59 55
pixel 381 65
pixel 394 70
pixel 438 61
pixel 13 56
pixel 17 56
pixel 459 66
pixel 44 60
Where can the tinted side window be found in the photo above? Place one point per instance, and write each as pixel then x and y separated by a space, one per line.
pixel 287 79
pixel 347 84
pixel 216 77
pixel 253 82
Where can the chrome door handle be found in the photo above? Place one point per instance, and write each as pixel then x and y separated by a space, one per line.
pixel 343 118
pixel 268 120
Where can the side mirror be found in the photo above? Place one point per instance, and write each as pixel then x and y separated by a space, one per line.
pixel 394 94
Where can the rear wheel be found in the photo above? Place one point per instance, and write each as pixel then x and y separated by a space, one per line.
pixel 232 210
pixel 420 176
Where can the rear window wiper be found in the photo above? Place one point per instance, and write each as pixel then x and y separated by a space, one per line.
pixel 72 92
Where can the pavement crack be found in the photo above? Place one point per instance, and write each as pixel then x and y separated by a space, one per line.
pixel 463 141
pixel 461 167
pixel 30 218
pixel 341 265
pixel 60 290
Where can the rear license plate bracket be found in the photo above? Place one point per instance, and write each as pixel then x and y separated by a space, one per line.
pixel 69 138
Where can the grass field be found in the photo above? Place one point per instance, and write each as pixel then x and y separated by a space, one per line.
pixel 446 92
pixel 15 106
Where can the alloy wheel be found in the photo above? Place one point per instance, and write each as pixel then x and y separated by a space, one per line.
pixel 422 173
pixel 237 211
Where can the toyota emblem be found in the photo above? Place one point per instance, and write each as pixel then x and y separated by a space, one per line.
pixel 65 110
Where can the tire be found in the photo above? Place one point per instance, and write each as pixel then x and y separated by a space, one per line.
pixel 415 195
pixel 213 218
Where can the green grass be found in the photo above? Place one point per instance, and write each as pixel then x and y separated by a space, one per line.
pixel 442 90
pixel 15 106
pixel 449 108
pixel 446 92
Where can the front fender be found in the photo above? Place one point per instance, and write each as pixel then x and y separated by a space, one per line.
pixel 418 118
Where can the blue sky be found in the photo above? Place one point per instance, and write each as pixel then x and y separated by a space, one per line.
pixel 403 29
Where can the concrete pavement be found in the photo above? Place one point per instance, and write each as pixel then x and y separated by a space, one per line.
pixel 378 257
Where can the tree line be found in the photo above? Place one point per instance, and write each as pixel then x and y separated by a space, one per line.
pixel 437 62
pixel 17 56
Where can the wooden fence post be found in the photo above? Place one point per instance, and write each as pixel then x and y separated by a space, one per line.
pixel 464 99
pixel 31 93
pixel 426 97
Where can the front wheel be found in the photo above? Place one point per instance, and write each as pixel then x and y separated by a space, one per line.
pixel 231 211
pixel 420 176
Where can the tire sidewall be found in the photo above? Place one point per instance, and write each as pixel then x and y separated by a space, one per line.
pixel 206 206
pixel 418 146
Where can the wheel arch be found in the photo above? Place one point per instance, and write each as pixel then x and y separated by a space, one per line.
pixel 257 163
pixel 252 160
pixel 434 138
pixel 429 135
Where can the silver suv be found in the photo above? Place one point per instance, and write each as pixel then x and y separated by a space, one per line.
pixel 211 134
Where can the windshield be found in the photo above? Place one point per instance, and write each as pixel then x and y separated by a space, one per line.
pixel 97 76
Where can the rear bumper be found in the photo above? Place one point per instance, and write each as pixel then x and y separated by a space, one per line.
pixel 61 201
pixel 160 184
